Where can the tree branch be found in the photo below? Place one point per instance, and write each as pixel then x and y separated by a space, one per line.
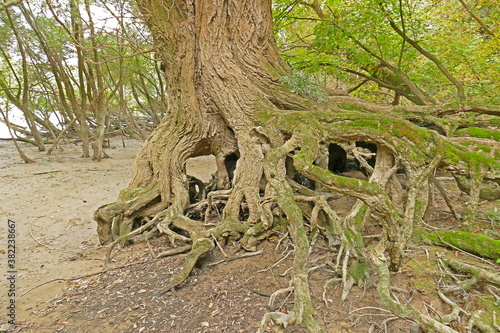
pixel 478 20
pixel 430 56
pixel 5 5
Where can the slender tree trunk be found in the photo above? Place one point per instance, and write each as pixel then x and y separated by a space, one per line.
pixel 23 156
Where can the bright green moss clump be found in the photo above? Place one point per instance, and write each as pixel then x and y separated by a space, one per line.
pixel 480 133
pixel 474 243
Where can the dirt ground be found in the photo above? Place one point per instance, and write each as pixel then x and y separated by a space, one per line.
pixel 63 286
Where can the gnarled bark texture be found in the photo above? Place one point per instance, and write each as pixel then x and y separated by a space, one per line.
pixel 225 98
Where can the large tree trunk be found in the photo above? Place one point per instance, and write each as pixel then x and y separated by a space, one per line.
pixel 225 97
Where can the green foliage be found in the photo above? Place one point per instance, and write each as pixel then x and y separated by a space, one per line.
pixel 304 85
pixel 356 36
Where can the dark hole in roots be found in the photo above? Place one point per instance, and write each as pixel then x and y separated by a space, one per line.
pixel 180 232
pixel 372 149
pixel 202 262
pixel 297 176
pixel 199 172
pixel 230 162
pixel 197 190
pixel 304 181
pixel 339 162
pixel 337 158
pixel 244 212
pixel 140 221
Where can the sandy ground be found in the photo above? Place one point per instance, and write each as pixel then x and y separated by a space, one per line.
pixel 52 202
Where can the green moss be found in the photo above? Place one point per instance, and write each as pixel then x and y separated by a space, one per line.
pixel 359 270
pixel 426 285
pixel 470 242
pixel 477 132
pixel 418 235
pixel 350 107
pixel 128 193
pixel 489 305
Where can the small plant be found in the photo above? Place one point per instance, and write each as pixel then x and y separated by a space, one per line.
pixel 304 85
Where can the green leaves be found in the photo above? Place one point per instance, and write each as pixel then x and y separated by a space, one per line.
pixel 358 36
pixel 304 85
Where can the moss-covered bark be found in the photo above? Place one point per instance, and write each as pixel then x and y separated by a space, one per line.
pixel 474 243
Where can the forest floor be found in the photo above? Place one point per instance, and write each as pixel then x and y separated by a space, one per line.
pixel 63 286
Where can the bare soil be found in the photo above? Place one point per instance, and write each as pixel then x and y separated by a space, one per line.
pixel 63 286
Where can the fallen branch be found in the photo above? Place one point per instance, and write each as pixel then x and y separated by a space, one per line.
pixel 443 193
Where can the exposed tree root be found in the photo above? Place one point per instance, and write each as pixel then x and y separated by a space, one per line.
pixel 427 323
pixel 476 320
pixel 474 243
pixel 200 247
pixel 480 274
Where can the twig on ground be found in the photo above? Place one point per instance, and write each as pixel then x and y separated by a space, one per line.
pixel 36 240
pixel 45 172
pixel 218 245
pixel 276 294
pixel 276 263
pixel 244 255
pixel 367 307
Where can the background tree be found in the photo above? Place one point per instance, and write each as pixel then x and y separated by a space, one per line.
pixel 78 72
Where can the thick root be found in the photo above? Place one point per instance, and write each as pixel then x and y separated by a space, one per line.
pixel 200 247
pixel 474 243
